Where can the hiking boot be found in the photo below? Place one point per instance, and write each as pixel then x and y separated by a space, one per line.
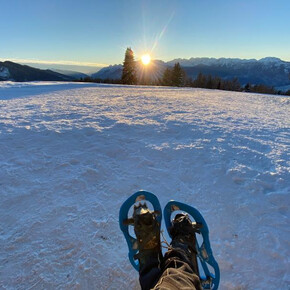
pixel 183 232
pixel 147 231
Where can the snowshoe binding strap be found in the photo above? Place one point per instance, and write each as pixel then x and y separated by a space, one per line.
pixel 142 217
pixel 209 280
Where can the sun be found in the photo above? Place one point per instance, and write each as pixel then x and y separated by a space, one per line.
pixel 146 59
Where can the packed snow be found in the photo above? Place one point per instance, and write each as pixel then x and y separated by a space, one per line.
pixel 71 154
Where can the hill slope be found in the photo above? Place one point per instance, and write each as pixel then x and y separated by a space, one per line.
pixel 71 73
pixel 17 72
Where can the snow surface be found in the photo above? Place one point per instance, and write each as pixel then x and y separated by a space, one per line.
pixel 70 155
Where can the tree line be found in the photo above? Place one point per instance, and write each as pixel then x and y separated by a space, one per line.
pixel 176 77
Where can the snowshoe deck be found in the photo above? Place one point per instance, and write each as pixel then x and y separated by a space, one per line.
pixel 125 221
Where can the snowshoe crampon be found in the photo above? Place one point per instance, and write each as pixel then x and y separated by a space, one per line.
pixel 209 272
pixel 139 210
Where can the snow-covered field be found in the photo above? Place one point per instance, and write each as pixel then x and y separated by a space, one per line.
pixel 70 154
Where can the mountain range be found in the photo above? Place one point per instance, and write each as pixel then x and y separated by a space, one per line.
pixel 270 71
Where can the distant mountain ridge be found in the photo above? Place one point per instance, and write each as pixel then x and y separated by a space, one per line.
pixel 70 73
pixel 226 61
pixel 270 71
pixel 11 71
pixel 110 72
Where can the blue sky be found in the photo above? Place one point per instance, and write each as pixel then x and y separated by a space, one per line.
pixel 96 33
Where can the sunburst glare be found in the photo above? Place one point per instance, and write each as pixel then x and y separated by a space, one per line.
pixel 146 59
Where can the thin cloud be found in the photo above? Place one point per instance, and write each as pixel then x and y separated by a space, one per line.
pixel 58 62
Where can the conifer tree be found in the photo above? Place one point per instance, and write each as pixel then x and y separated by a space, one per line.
pixel 236 85
pixel 209 82
pixel 178 75
pixel 167 77
pixel 200 81
pixel 129 75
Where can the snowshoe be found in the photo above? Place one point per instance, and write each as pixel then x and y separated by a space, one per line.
pixel 208 269
pixel 146 226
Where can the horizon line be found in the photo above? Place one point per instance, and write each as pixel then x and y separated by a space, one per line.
pixel 56 62
pixel 92 64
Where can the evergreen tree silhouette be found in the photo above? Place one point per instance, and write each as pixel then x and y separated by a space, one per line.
pixel 167 77
pixel 129 75
pixel 178 75
pixel 200 81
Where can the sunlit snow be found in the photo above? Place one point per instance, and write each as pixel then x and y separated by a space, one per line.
pixel 71 153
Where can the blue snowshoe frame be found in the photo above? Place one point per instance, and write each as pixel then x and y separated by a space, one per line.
pixel 204 252
pixel 123 215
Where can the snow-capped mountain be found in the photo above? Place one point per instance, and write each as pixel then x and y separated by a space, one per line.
pixel 194 61
pixel 110 72
pixel 270 71
pixel 228 62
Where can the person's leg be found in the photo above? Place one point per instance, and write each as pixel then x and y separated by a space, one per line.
pixel 150 272
pixel 147 230
pixel 177 272
pixel 179 267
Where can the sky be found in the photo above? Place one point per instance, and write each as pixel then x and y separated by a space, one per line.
pixel 92 33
